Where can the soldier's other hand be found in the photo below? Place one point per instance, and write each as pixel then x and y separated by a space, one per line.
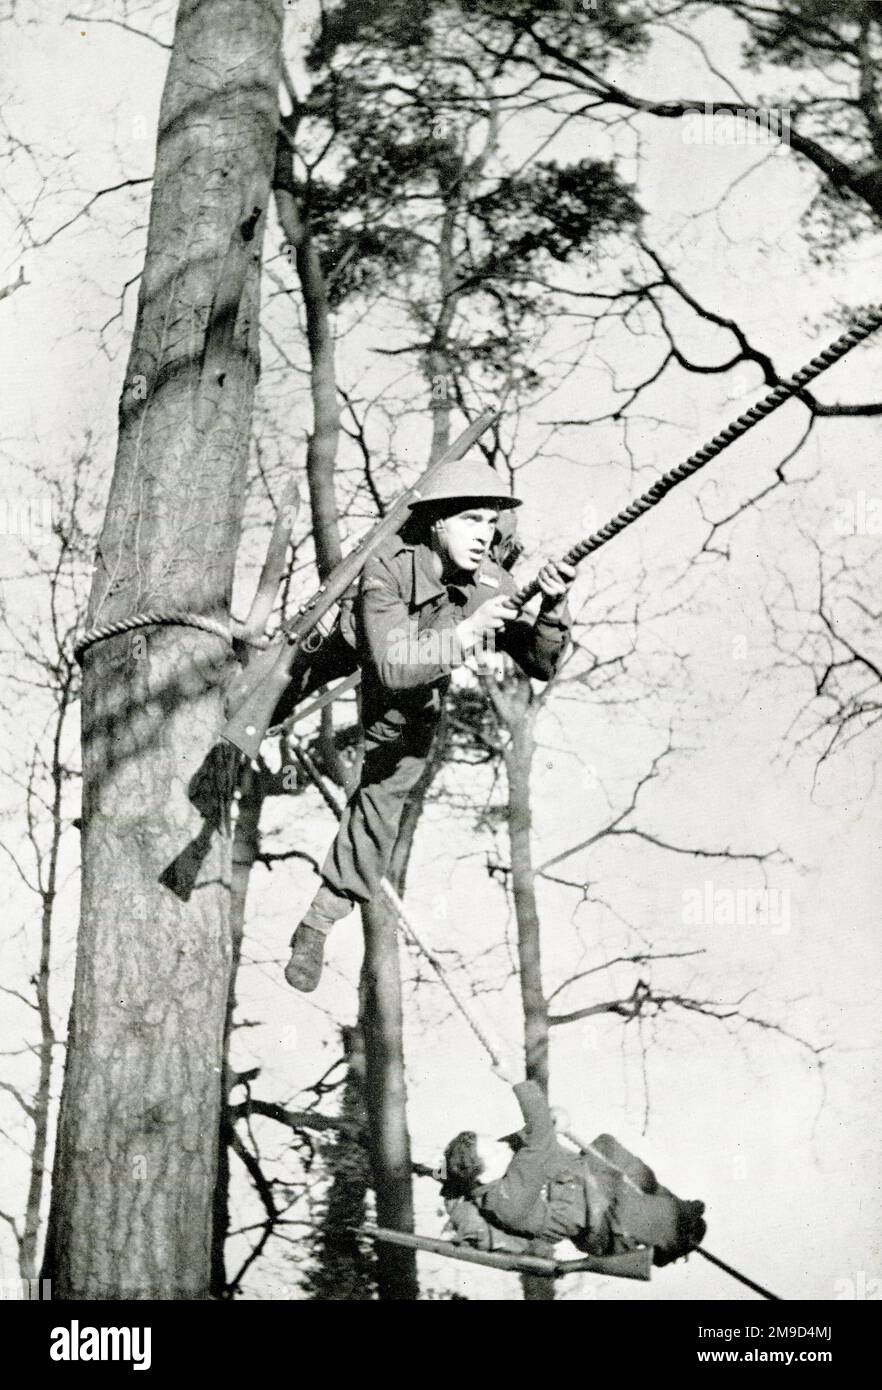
pixel 491 616
pixel 555 580
pixel 494 614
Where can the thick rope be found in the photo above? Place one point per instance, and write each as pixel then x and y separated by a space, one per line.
pixel 787 389
pixel 742 1278
pixel 174 618
pixel 651 498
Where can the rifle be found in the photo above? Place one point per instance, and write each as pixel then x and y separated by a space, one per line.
pixel 630 1264
pixel 256 691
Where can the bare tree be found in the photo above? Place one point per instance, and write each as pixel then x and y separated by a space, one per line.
pixel 142 1090
pixel 825 628
pixel 42 677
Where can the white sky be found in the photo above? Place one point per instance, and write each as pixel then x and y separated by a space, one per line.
pixel 786 1160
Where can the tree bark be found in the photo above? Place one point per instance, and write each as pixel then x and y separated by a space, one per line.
pixel 346 1269
pixel 386 1091
pixel 48 894
pixel 136 1159
pixel 438 362
pixel 518 763
pixel 321 458
pixel 246 847
pixel 382 1022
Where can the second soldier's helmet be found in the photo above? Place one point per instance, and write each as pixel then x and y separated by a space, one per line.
pixel 466 480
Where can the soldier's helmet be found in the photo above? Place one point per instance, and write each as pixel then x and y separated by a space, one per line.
pixel 466 480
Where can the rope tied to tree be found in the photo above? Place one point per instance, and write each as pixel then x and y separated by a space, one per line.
pixel 174 618
pixel 788 389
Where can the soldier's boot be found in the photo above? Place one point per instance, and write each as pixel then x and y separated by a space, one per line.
pixel 304 969
pixel 697 1224
pixel 691 1229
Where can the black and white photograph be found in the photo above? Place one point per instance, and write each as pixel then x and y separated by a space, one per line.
pixel 441 682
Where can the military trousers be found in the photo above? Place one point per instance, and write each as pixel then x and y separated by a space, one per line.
pixel 627 1206
pixel 395 753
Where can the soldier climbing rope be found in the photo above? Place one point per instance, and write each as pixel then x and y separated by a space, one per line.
pixel 256 695
pixel 243 734
pixel 247 728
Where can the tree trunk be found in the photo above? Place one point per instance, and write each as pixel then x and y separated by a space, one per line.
pixel 321 456
pixel 519 755
pixel 386 1091
pixel 518 762
pixel 40 1113
pixel 48 893
pixel 383 1027
pixel 246 847
pixel 135 1167
pixel 346 1268
pixel 438 365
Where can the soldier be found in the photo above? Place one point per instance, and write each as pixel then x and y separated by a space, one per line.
pixel 505 1194
pixel 425 604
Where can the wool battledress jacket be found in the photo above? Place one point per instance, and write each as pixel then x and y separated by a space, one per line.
pixel 403 628
pixel 543 1192
pixel 605 1201
pixel 398 626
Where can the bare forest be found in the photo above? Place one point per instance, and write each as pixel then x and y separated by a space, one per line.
pixel 263 264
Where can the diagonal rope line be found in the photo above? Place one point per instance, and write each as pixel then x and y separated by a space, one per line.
pixel 736 1274
pixel 860 330
pixel 788 389
pixel 695 1249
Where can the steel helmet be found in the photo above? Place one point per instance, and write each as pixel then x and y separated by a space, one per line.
pixel 468 479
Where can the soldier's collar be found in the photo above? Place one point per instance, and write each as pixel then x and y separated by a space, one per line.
pixel 427 585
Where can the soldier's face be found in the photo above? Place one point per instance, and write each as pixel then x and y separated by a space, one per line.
pixel 464 538
pixel 495 1156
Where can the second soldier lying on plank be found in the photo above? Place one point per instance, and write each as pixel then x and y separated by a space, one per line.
pixel 506 1194
pixel 424 606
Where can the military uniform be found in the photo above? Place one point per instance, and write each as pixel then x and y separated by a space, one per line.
pixel 402 626
pixel 605 1201
pixel 402 631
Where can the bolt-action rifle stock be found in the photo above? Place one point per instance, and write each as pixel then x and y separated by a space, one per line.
pixel 255 692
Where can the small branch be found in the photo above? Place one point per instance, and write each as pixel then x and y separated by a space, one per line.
pixel 13 1091
pixel 118 23
pixel 102 193
pixel 274 562
pixel 291 1119
pixel 16 284
pixel 271 857
pixel 641 958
